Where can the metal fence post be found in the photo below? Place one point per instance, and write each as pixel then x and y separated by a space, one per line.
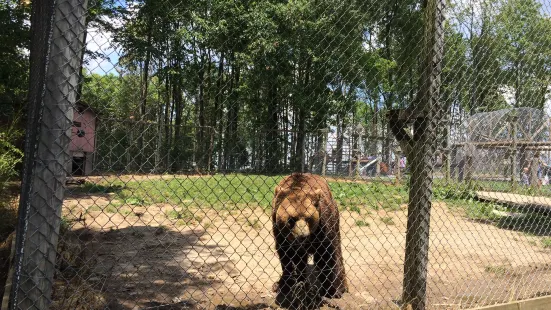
pixel 418 223
pixel 57 36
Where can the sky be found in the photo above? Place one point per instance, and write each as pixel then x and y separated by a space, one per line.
pixel 98 41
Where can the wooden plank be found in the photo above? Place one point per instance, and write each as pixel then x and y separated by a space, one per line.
pixel 515 198
pixel 535 204
pixel 538 303
pixel 506 143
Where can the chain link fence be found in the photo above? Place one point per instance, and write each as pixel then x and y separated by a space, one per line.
pixel 192 154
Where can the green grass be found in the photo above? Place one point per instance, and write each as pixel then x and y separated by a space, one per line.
pixel 494 186
pixel 219 191
pixel 184 217
pixel 387 220
pixel 93 208
pixel 126 212
pixel 546 242
pixel 499 270
pixel 94 188
pixel 361 223
pixel 241 191
pixel 375 195
pixel 110 209
pixel 254 223
pixel 234 192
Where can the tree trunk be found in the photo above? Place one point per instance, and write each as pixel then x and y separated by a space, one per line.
pixel 143 100
pixel 272 155
pixel 218 111
pixel 298 165
pixel 340 144
pixel 200 138
pixel 230 149
pixel 176 148
pixel 168 120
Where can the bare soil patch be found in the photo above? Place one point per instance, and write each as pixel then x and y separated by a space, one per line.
pixel 143 257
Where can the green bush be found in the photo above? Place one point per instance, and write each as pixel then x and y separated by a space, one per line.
pixel 453 191
pixel 10 156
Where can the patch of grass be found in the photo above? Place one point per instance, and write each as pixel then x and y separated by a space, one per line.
pixel 546 242
pixel 110 208
pixel 498 270
pixel 184 217
pixel 391 205
pixel 455 191
pixel 254 223
pixel 8 208
pixel 93 188
pixel 480 211
pixel 64 225
pixel 206 225
pixel 135 201
pixel 236 191
pixel 125 212
pixel 93 208
pixel 373 195
pixel 216 191
pixel 361 223
pixel 387 220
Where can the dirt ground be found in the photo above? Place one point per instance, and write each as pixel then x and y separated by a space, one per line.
pixel 143 259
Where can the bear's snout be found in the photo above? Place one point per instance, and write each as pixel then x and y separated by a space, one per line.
pixel 300 229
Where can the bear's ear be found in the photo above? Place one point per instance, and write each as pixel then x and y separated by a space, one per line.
pixel 279 190
pixel 320 197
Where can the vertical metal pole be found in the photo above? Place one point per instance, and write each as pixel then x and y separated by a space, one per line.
pixel 514 152
pixel 56 45
pixel 418 223
pixel 447 150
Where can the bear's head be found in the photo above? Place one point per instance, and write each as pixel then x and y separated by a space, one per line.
pixel 297 212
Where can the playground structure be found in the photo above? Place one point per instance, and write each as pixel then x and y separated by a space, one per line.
pixel 497 145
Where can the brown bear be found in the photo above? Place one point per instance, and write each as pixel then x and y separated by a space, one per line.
pixel 305 221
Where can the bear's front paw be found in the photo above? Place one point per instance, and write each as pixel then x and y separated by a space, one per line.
pixel 283 286
pixel 335 291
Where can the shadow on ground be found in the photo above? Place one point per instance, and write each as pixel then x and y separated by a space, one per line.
pixel 143 266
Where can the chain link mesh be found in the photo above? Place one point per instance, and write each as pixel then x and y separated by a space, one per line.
pixel 164 140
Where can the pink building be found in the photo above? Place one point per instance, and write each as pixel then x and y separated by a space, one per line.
pixel 83 140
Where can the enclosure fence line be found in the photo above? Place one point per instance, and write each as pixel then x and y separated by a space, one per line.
pixel 240 140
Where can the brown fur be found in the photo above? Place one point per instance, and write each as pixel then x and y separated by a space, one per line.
pixel 307 197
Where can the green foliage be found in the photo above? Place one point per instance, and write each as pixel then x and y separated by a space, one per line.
pixel 373 195
pixel 14 39
pixel 387 220
pixel 524 34
pixel 254 223
pixel 453 191
pixel 10 156
pixel 546 242
pixel 499 270
pixel 227 192
pixel 362 223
